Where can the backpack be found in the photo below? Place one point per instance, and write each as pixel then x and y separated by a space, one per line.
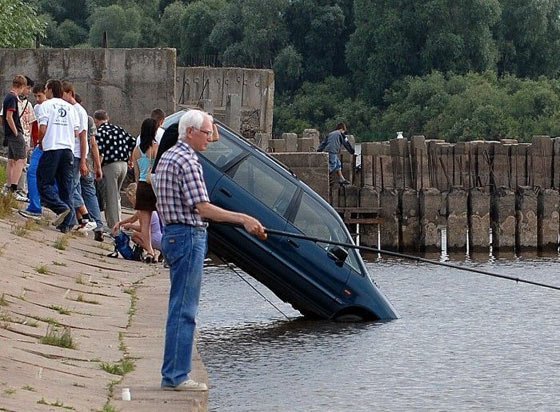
pixel 123 248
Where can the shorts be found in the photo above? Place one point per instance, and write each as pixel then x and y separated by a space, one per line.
pixel 17 149
pixel 334 162
pixel 145 197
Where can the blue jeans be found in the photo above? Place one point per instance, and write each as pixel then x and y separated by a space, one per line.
pixel 32 190
pixel 184 248
pixel 77 189
pixel 334 162
pixel 89 195
pixel 56 170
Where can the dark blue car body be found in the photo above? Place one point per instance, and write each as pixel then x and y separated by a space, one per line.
pixel 242 178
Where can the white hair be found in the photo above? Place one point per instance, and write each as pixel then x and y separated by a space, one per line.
pixel 192 118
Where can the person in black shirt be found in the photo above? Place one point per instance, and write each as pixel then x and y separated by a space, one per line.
pixel 115 147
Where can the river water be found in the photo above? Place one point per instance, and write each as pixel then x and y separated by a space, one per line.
pixel 463 341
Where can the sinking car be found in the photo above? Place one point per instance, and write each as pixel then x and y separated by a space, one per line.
pixel 319 279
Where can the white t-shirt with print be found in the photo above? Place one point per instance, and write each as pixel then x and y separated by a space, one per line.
pixel 61 120
pixel 83 118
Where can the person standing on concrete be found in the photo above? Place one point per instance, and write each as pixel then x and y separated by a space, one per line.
pixel 34 209
pixel 81 169
pixel 58 130
pixel 184 207
pixel 115 147
pixel 13 134
pixel 333 144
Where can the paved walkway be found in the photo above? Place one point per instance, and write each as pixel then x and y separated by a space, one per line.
pixel 111 309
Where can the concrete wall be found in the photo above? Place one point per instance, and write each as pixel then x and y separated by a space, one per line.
pixel 254 88
pixel 128 83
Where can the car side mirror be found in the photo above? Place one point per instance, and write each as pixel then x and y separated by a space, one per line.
pixel 338 254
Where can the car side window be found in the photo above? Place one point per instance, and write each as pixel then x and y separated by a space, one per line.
pixel 322 226
pixel 265 183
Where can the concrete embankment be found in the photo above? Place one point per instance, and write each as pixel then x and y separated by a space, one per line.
pixel 103 317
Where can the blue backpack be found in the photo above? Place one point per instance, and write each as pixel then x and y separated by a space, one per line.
pixel 123 248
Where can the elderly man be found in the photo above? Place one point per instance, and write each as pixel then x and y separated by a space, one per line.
pixel 184 207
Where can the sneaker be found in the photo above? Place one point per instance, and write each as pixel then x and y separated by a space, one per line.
pixel 30 215
pixel 20 196
pixel 87 226
pixel 98 235
pixel 60 217
pixel 188 385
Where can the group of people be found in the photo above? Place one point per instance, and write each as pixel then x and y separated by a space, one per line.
pixel 76 158
pixel 76 164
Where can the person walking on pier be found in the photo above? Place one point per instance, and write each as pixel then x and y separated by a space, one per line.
pixel 333 144
pixel 184 207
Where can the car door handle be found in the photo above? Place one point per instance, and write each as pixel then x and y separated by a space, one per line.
pixel 225 192
pixel 292 243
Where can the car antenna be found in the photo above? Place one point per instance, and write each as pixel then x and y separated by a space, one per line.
pixel 411 257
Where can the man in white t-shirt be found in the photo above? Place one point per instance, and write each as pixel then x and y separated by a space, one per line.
pixel 58 129
pixel 81 169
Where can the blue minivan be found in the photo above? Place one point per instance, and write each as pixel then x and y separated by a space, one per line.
pixel 318 279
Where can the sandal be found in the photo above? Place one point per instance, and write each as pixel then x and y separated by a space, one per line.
pixel 149 258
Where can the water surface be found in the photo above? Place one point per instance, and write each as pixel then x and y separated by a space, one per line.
pixel 463 342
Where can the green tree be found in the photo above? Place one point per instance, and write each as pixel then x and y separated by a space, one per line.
pixel 250 32
pixel 170 24
pixel 396 38
pixel 66 34
pixel 529 37
pixel 197 23
pixel 319 33
pixel 287 68
pixel 19 24
pixel 122 26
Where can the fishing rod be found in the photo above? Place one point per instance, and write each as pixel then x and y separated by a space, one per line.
pixel 410 257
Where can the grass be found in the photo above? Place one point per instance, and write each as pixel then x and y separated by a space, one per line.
pixel 19 230
pixel 60 309
pixel 56 337
pixel 3 301
pixel 28 388
pixel 120 368
pixel 7 203
pixel 59 263
pixel 43 270
pixel 61 243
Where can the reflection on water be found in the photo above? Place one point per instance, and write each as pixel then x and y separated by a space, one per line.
pixel 464 342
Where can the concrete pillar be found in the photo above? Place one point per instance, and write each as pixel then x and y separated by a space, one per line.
pixel 312 134
pixel 461 165
pixel 206 105
pixel 503 221
pixel 262 140
pixel 351 196
pixel 401 163
pixel 439 178
pixel 541 152
pixel 383 165
pixel 366 172
pixel 291 141
pixel 526 218
pixel 305 145
pixel 431 219
pixel 419 167
pixel 547 219
pixel 479 220
pixel 347 161
pixel 519 164
pixel 410 220
pixel 277 145
pixel 500 168
pixel 233 112
pixel 369 198
pixel 457 219
pixel 556 163
pixel 389 230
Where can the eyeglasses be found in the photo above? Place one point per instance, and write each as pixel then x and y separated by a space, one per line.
pixel 208 133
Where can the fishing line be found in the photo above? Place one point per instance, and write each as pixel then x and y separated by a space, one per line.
pixel 232 268
pixel 410 257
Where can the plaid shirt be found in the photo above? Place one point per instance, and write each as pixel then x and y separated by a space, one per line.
pixel 179 186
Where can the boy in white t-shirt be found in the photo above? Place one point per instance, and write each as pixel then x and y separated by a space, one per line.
pixel 58 130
